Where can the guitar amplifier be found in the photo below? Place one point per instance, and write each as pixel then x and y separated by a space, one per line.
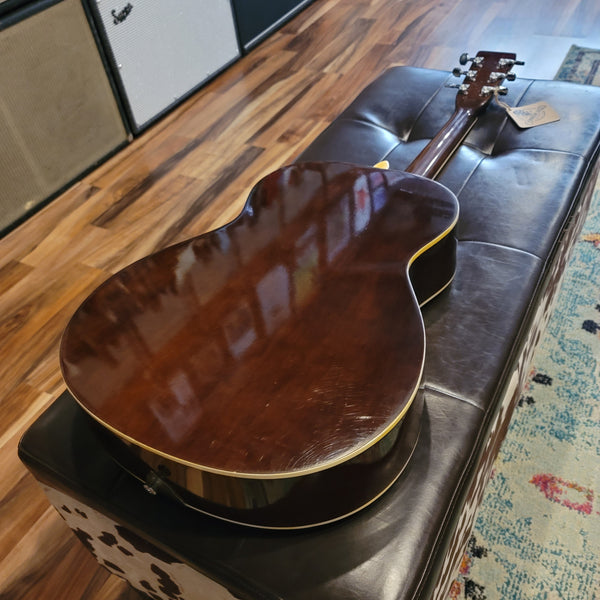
pixel 58 113
pixel 162 51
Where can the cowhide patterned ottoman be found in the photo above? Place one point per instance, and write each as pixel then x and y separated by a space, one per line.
pixel 523 195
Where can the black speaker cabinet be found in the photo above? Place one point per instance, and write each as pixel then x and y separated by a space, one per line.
pixel 256 19
pixel 58 113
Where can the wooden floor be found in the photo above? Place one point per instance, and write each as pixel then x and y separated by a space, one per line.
pixel 191 172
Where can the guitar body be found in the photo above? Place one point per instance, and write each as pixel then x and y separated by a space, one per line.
pixel 262 372
pixel 266 372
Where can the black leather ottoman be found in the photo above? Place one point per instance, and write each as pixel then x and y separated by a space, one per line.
pixel 523 197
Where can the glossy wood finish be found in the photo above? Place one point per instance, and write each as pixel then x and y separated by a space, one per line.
pixel 283 503
pixel 288 341
pixel 280 345
pixel 190 173
pixel 254 350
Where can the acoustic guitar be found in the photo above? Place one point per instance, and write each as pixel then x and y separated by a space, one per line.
pixel 266 372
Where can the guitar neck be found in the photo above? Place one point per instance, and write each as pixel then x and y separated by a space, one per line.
pixel 440 149
pixel 481 81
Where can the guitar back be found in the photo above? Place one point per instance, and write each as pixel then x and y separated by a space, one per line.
pixel 279 345
pixel 262 372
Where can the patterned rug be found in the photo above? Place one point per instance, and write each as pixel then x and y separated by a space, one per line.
pixel 537 532
pixel 581 65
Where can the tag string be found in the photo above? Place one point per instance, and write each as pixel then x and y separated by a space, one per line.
pixel 500 102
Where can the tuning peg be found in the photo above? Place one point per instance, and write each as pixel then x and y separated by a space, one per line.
pixel 489 89
pixel 461 87
pixel 465 58
pixel 468 74
pixel 499 76
pixel 510 62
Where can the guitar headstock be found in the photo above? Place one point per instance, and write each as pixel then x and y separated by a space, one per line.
pixel 483 78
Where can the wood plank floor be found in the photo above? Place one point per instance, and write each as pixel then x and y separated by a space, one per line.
pixel 191 172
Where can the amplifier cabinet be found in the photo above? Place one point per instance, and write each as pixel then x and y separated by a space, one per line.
pixel 257 19
pixel 161 50
pixel 58 113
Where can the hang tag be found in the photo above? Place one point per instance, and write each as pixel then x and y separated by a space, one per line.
pixel 532 115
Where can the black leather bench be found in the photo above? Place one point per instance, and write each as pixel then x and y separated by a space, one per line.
pixel 523 196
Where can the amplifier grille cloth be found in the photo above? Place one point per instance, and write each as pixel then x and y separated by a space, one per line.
pixel 58 115
pixel 164 50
